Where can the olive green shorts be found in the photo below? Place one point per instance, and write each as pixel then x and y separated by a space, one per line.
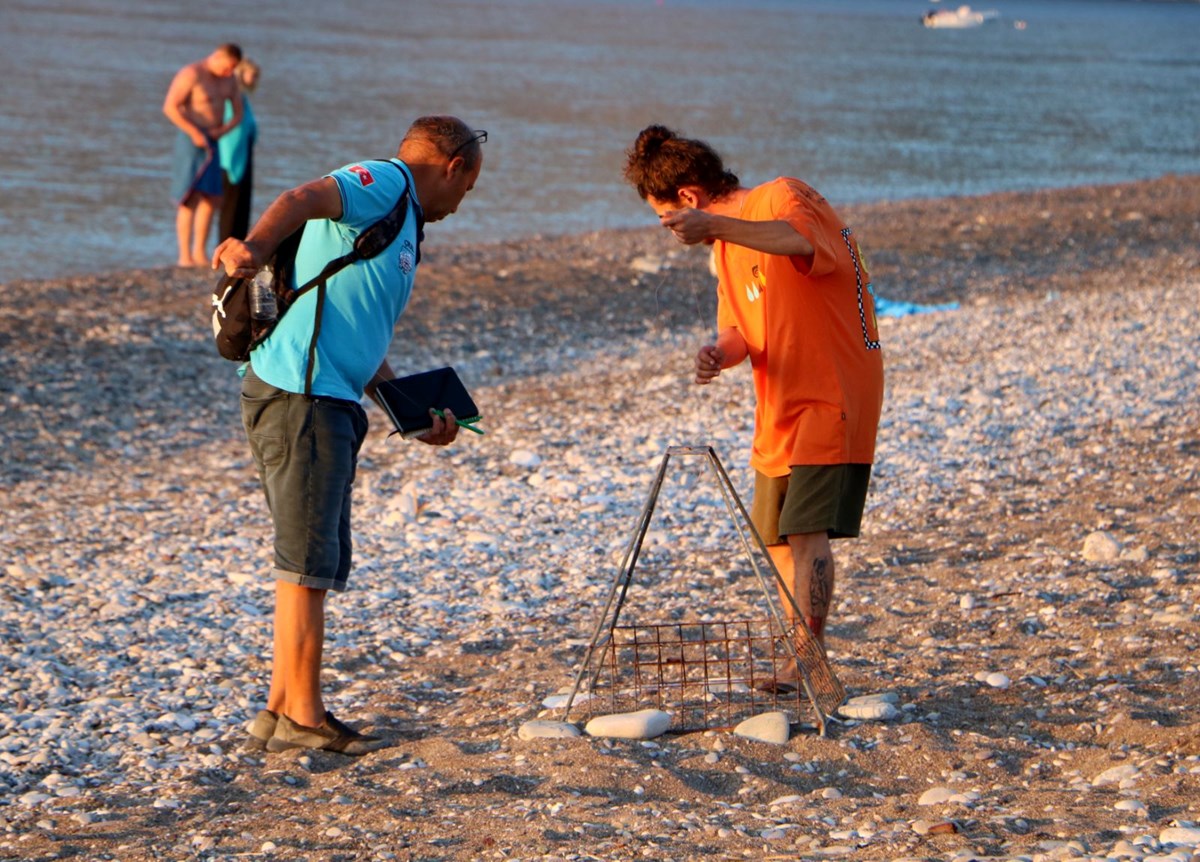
pixel 825 498
pixel 306 451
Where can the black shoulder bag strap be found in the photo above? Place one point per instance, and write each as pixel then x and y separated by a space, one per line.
pixel 367 244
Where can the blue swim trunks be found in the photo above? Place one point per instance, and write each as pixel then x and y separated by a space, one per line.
pixel 194 169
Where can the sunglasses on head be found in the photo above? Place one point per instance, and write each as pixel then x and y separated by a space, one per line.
pixel 479 135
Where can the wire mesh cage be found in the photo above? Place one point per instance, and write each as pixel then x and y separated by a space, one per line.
pixel 707 674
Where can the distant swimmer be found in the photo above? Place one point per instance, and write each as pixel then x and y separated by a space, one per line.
pixel 195 103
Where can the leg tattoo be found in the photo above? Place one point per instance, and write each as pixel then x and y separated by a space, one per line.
pixel 820 587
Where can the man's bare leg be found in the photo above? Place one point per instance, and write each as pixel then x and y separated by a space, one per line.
pixel 185 216
pixel 299 641
pixel 806 565
pixel 205 207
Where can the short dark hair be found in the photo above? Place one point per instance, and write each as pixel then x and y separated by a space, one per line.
pixel 660 163
pixel 448 135
pixel 231 49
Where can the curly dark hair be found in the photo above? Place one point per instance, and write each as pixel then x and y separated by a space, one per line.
pixel 660 162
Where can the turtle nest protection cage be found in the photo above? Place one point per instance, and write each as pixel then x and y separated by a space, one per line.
pixel 707 673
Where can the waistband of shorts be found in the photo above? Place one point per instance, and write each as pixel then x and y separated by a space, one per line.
pixel 324 399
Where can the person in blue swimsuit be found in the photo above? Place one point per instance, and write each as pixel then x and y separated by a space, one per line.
pixel 305 425
pixel 236 149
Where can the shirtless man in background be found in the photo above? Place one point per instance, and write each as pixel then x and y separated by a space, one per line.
pixel 195 103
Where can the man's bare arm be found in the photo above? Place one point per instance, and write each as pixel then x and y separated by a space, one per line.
pixel 317 199
pixel 175 104
pixel 691 226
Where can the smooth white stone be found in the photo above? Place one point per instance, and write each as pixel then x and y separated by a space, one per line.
pixel 558 701
pixel 646 265
pixel 643 724
pixel 1125 848
pixel 831 793
pixel 183 722
pixel 1101 547
pixel 1115 774
pixel 786 800
pixel 525 458
pixel 1180 835
pixel 720 686
pixel 1130 805
pixel 997 680
pixel 877 697
pixel 966 602
pixel 936 796
pixel 868 711
pixel 540 728
pixel 772 727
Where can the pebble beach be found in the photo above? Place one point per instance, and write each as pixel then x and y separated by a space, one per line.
pixel 1026 591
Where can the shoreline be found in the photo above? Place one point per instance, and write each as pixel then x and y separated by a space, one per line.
pixel 1170 194
pixel 1027 585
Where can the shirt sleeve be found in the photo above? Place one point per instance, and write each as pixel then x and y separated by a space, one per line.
pixel 725 318
pixel 367 194
pixel 800 205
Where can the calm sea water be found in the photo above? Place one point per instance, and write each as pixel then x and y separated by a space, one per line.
pixel 854 96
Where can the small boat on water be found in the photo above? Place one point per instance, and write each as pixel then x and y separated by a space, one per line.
pixel 960 18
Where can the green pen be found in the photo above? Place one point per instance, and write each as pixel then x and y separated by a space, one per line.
pixel 460 423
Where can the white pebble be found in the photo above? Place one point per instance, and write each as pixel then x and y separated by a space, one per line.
pixel 546 729
pixel 868 711
pixel 1101 547
pixel 772 727
pixel 936 796
pixel 1180 835
pixel 525 458
pixel 643 724
pixel 1115 775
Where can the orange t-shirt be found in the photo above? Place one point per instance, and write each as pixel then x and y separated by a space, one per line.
pixel 812 334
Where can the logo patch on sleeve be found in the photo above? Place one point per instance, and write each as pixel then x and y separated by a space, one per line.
pixel 364 176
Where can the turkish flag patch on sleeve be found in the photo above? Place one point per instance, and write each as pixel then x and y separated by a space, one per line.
pixel 364 176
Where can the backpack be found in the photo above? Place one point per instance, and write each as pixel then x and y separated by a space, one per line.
pixel 236 335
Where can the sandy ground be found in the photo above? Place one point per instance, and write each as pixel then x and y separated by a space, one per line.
pixel 1033 517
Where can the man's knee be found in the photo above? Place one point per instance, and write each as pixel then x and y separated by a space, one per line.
pixel 809 543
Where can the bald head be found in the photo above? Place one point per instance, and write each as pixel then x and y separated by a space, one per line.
pixel 445 158
pixel 440 138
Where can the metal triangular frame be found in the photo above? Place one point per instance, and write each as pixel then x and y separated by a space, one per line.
pixel 824 691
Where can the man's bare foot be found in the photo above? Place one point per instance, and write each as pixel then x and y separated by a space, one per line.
pixel 200 262
pixel 785 681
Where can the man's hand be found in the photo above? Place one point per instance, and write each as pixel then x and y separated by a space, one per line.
pixel 708 363
pixel 690 226
pixel 444 430
pixel 239 258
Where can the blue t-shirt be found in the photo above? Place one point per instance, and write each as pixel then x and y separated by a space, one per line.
pixel 362 302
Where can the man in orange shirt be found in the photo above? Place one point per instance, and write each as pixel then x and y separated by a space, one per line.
pixel 795 298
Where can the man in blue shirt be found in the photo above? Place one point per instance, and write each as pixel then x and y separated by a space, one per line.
pixel 305 424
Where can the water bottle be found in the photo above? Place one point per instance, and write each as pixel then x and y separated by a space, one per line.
pixel 263 310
